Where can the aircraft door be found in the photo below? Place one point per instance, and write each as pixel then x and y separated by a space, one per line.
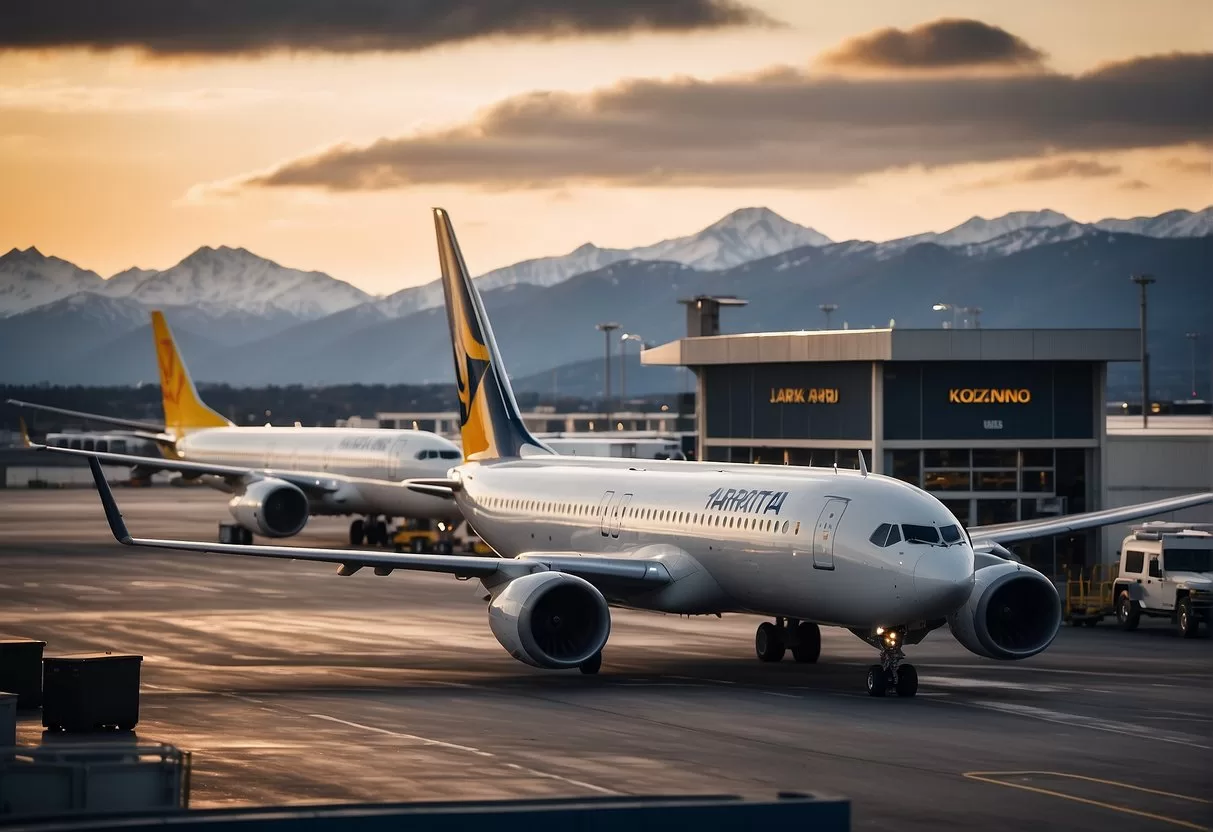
pixel 604 524
pixel 824 532
pixel 395 459
pixel 618 513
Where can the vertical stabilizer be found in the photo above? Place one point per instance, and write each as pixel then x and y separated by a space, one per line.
pixel 183 410
pixel 491 425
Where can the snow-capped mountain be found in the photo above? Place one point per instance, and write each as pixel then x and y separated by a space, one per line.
pixel 124 283
pixel 29 279
pixel 980 229
pixel 744 235
pixel 1025 238
pixel 1171 224
pixel 236 278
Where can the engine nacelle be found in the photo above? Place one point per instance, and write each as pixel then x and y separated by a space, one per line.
pixel 1013 612
pixel 550 619
pixel 271 508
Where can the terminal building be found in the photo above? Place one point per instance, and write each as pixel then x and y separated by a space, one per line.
pixel 1001 425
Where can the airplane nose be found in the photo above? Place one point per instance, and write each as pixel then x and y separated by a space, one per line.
pixel 943 579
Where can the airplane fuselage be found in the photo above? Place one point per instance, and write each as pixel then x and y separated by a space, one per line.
pixel 372 463
pixel 789 542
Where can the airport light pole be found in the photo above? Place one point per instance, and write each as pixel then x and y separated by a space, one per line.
pixel 1192 337
pixel 606 329
pixel 829 309
pixel 1144 280
pixel 623 362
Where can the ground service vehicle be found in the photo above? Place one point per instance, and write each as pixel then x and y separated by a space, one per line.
pixel 1166 570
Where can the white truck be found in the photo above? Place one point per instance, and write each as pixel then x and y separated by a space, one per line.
pixel 1166 571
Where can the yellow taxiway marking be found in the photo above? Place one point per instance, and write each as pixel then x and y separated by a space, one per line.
pixel 992 778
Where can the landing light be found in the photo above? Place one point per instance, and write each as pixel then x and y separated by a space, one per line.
pixel 880 631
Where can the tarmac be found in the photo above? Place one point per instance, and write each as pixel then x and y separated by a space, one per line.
pixel 291 685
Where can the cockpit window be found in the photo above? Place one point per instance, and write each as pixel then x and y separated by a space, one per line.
pixel 950 534
pixel 881 535
pixel 885 535
pixel 449 454
pixel 920 534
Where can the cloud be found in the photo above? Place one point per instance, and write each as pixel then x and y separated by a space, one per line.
pixel 1049 171
pixel 941 44
pixel 1134 185
pixel 1204 166
pixel 224 27
pixel 58 97
pixel 780 128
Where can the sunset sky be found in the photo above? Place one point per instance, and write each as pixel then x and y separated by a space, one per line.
pixel 318 133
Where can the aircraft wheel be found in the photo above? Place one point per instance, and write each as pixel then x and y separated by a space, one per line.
pixel 907 681
pixel 592 665
pixel 357 533
pixel 808 643
pixel 878 681
pixel 768 643
pixel 380 533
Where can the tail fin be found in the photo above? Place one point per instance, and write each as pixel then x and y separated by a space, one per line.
pixel 491 425
pixel 183 410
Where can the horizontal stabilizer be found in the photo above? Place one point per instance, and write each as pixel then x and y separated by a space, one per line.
pixel 434 487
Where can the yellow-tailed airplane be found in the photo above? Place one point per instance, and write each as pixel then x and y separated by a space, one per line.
pixel 279 476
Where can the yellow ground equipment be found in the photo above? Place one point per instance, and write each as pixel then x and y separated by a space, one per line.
pixel 1089 595
pixel 430 537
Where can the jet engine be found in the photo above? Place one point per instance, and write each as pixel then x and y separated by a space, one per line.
pixel 1013 612
pixel 271 508
pixel 550 619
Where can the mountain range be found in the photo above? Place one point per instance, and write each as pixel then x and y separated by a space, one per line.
pixel 246 320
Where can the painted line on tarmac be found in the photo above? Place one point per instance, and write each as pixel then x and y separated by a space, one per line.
pixel 991 777
pixel 1078 721
pixel 467 749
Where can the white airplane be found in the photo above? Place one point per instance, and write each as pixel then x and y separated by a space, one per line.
pixel 804 546
pixel 280 476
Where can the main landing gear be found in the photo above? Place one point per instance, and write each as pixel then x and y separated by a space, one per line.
pixel 773 640
pixel 893 673
pixel 371 531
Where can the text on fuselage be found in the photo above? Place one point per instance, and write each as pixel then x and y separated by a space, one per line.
pixel 746 501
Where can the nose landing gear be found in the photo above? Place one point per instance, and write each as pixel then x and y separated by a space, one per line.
pixel 894 672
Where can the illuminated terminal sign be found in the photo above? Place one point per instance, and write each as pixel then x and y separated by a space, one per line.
pixel 793 400
pixel 804 395
pixel 990 395
pixel 954 400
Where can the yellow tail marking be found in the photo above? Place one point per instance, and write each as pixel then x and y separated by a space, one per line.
pixel 183 410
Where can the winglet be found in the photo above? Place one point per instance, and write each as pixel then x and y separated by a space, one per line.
pixel 24 433
pixel 863 466
pixel 112 514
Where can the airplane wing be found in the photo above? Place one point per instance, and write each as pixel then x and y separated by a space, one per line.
pixel 613 571
pixel 232 473
pixel 133 424
pixel 1047 526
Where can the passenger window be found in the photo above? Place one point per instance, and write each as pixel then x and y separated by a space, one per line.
pixel 881 534
pixel 1134 561
pixel 1155 570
